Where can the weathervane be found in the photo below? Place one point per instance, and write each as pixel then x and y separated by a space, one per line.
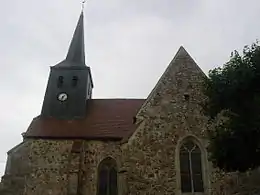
pixel 83 3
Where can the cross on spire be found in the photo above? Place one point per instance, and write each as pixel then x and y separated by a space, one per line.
pixel 82 4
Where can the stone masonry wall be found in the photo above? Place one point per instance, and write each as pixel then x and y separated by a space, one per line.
pixel 58 167
pixel 49 163
pixel 170 113
pixel 146 165
pixel 69 167
pixel 235 183
pixel 95 152
pixel 17 170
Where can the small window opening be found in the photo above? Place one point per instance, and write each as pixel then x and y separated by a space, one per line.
pixel 60 81
pixel 134 120
pixel 74 81
pixel 186 96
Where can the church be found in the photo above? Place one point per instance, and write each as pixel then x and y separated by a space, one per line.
pixel 154 146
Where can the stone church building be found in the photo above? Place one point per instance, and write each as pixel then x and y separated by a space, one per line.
pixel 154 146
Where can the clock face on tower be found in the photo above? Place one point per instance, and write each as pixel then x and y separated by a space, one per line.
pixel 62 97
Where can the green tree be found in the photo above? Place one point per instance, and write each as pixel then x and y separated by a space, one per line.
pixel 233 92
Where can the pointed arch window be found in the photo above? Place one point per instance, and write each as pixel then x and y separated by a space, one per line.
pixel 107 177
pixel 191 168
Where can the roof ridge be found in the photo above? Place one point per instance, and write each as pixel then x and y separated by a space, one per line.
pixel 107 119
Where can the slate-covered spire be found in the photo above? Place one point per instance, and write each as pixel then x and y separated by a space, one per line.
pixel 76 51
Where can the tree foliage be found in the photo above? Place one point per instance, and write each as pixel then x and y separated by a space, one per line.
pixel 233 91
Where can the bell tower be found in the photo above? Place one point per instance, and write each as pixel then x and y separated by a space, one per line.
pixel 70 82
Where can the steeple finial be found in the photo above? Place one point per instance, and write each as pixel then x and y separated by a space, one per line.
pixel 83 4
pixel 76 51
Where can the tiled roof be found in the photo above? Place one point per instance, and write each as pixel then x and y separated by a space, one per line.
pixel 106 119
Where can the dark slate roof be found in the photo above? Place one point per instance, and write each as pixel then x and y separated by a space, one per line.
pixel 106 119
pixel 76 51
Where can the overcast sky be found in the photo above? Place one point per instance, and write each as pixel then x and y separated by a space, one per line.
pixel 129 43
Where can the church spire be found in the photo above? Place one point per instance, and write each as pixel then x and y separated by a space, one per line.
pixel 76 51
pixel 70 82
